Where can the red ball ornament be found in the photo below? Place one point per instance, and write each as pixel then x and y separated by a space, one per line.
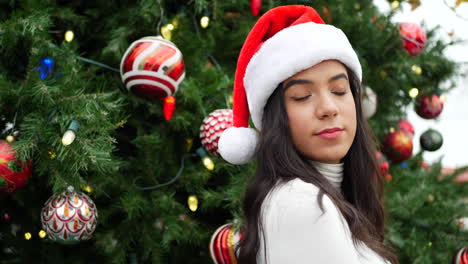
pixel 13 173
pixel 461 257
pixel 383 163
pixel 223 244
pixel 152 68
pixel 414 38
pixel 398 146
pixel 213 125
pixel 406 126
pixel 429 106
pixel 69 217
pixel 255 6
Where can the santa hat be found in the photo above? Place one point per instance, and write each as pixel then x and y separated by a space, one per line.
pixel 284 41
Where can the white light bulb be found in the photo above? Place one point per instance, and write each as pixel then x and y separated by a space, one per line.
pixel 68 137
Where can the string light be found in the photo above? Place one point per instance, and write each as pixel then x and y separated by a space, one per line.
pixel 69 35
pixel 70 135
pixel 416 69
pixel 42 234
pixel 27 236
pixel 10 138
pixel 395 4
pixel 413 92
pixel 192 202
pixel 46 67
pixel 166 31
pixel 209 164
pixel 443 98
pixel 204 21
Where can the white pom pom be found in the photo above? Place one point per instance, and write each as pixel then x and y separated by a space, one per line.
pixel 237 144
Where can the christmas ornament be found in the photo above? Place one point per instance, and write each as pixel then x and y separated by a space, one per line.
pixel 398 146
pixel 461 257
pixel 407 127
pixel 383 163
pixel 431 140
pixel 429 106
pixel 414 38
pixel 13 173
pixel 463 223
pixel 212 127
pixel 369 102
pixel 255 6
pixel 169 107
pixel 223 244
pixel 152 68
pixel 69 217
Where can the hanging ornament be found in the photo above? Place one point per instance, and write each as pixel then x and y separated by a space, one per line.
pixel 169 107
pixel 429 106
pixel 414 38
pixel 13 173
pixel 152 68
pixel 407 127
pixel 398 146
pixel 255 6
pixel 223 244
pixel 431 140
pixel 461 257
pixel 212 127
pixel 69 217
pixel 369 102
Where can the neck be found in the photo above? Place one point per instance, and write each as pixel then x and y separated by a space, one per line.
pixel 332 172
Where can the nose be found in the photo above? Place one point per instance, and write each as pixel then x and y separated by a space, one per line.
pixel 326 107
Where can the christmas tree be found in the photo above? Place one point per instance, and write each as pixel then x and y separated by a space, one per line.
pixel 148 186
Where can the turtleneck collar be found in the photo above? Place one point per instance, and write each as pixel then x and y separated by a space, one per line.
pixel 332 172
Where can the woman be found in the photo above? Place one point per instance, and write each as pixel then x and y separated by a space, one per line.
pixel 317 194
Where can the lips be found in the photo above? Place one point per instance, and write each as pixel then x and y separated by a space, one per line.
pixel 329 130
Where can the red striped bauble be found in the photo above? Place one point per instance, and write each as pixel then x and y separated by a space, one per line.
pixel 223 243
pixel 152 68
pixel 13 173
pixel 461 257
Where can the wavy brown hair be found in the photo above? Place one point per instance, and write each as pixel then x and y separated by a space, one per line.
pixel 361 202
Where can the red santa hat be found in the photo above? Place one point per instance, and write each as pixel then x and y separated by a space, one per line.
pixel 284 41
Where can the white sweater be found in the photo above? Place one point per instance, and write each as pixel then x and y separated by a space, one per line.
pixel 296 232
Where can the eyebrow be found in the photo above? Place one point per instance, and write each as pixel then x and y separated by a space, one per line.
pixel 303 81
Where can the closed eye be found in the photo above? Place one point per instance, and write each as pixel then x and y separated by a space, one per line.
pixel 301 98
pixel 340 93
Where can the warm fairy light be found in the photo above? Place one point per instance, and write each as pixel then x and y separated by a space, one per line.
pixel 88 189
pixel 443 98
pixel 52 155
pixel 170 27
pixel 395 4
pixel 416 69
pixel 27 236
pixel 68 137
pixel 192 202
pixel 69 35
pixel 10 138
pixel 42 234
pixel 208 163
pixel 231 100
pixel 413 92
pixel 204 21
pixel 392 129
pixel 166 32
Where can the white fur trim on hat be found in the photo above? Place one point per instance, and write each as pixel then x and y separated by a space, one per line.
pixel 290 51
pixel 237 144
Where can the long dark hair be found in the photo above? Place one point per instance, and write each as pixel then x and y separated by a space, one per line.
pixel 361 202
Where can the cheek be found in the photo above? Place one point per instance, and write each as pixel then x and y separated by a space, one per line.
pixel 297 123
pixel 350 114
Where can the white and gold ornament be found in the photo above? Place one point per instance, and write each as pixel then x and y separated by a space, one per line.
pixel 369 102
pixel 69 217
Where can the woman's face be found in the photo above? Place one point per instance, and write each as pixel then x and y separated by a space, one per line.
pixel 320 99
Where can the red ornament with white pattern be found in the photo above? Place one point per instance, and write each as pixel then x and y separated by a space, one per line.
pixel 213 125
pixel 461 257
pixel 407 127
pixel 13 173
pixel 429 106
pixel 414 38
pixel 223 244
pixel 152 68
pixel 69 217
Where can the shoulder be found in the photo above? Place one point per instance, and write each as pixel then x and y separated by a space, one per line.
pixel 297 198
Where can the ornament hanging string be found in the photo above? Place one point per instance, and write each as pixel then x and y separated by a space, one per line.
pixel 169 182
